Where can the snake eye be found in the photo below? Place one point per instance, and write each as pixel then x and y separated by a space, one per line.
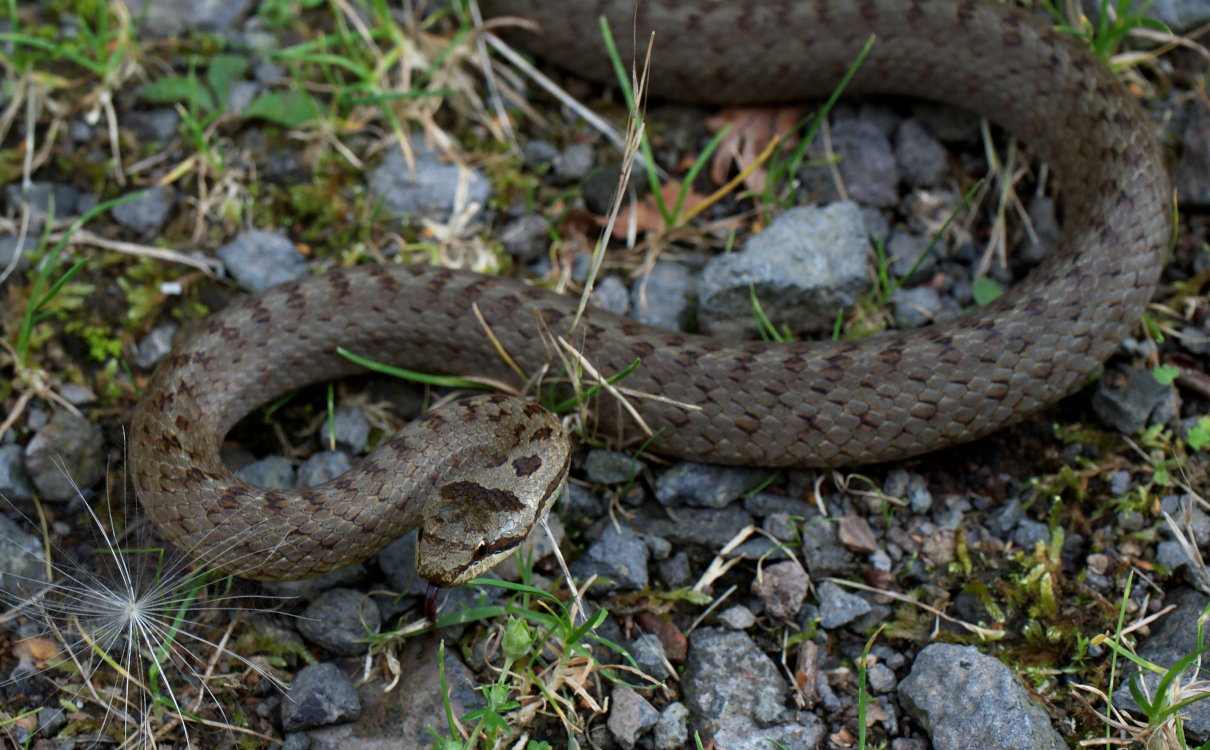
pixel 491 549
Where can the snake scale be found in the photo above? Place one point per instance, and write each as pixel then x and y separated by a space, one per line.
pixel 475 475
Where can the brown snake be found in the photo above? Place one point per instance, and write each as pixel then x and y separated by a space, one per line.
pixel 475 475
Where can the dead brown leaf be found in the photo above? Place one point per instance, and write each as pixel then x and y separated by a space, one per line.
pixel 752 129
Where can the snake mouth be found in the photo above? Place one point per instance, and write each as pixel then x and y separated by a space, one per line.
pixel 500 546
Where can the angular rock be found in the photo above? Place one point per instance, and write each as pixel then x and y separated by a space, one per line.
pixel 163 18
pixel 838 607
pixel 705 485
pixel 320 694
pixel 611 467
pixel 259 260
pixel 807 264
pixel 431 191
pixel 323 467
pixel 341 621
pixel 1129 400
pixel 67 453
pixel 619 557
pixel 14 480
pixel 663 298
pixel 630 716
pixel 921 157
pixel 146 214
pixel 965 699
pixel 271 472
pixel 155 345
pixel 672 730
pixel 783 588
pixel 22 563
pixel 729 682
pixel 407 716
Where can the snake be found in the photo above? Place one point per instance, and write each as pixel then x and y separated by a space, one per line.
pixel 475 475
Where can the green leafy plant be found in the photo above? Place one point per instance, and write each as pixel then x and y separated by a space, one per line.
pixel 1114 22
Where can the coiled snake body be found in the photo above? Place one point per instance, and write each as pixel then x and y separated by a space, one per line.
pixel 474 476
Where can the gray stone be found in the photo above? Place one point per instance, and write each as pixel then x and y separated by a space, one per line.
pixel 916 307
pixel 321 694
pixel 398 563
pixel 664 297
pixel 611 467
pixel 780 526
pixel 737 617
pixel 675 571
pixel 965 699
pixel 43 197
pixel 783 589
pixel 610 294
pixel 867 163
pixel 705 485
pixel 1120 482
pixel 1171 555
pixel 241 95
pixel 647 650
pixel 807 264
pixel 259 260
pixel 619 557
pixel 146 214
pixel 8 249
pixel 1180 15
pixel 1029 532
pixel 155 345
pixel 341 621
pixel 729 681
pixel 68 452
pixel 708 527
pixel 270 472
pixel 580 502
pixel 14 480
pixel 154 126
pixel 763 504
pixel 76 394
pixel 1128 400
pixel 350 428
pixel 323 467
pixel 672 730
pixel 838 607
pixel 408 715
pixel 881 678
pixel 822 552
pixel 22 563
pixel 1004 519
pixel 431 191
pixel 808 733
pixel 526 237
pixel 910 257
pixel 539 154
pixel 1187 513
pixel 921 157
pixel 1044 219
pixel 163 18
pixel 630 716
pixel 573 163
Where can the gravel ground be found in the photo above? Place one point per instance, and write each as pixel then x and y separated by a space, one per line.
pixel 988 596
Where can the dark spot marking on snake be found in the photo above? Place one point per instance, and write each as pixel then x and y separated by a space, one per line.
pixel 748 424
pixel 542 433
pixel 495 499
pixel 527 465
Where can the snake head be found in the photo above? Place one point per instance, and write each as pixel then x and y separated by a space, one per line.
pixel 481 515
